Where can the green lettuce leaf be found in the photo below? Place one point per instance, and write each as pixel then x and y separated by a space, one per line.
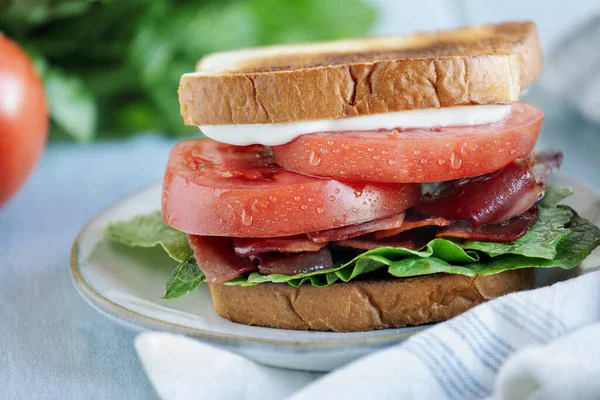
pixel 186 278
pixel 540 241
pixel 149 231
pixel 543 238
pixel 554 195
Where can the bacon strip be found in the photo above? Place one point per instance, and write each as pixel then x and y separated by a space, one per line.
pixel 289 244
pixel 292 264
pixel 485 199
pixel 369 242
pixel 217 260
pixel 348 232
pixel 503 232
pixel 412 222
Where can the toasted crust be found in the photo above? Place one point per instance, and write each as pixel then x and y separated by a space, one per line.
pixel 477 65
pixel 364 305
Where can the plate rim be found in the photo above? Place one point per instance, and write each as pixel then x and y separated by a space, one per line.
pixel 133 319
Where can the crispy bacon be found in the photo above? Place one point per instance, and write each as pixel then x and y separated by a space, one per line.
pixel 369 242
pixel 485 199
pixel 503 232
pixel 217 260
pixel 348 232
pixel 289 244
pixel 412 221
pixel 292 264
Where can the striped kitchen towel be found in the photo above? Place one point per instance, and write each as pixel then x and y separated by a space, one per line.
pixel 540 344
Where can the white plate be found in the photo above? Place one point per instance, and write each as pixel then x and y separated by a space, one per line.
pixel 126 285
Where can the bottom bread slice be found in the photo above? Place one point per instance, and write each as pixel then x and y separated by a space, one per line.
pixel 364 305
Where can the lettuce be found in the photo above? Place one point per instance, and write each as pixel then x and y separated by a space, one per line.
pixel 560 238
pixel 149 231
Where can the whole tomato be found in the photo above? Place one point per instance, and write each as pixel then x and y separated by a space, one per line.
pixel 23 118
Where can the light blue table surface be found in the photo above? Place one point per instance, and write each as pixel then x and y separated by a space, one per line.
pixel 52 344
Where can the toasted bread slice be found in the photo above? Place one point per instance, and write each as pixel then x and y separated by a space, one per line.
pixel 364 305
pixel 476 65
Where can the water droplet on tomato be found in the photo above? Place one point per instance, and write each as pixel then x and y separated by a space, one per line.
pixel 310 199
pixel 272 198
pixel 329 142
pixel 303 207
pixel 354 210
pixel 370 149
pixel 455 162
pixel 423 161
pixel 395 134
pixel 319 210
pixel 345 146
pixel 332 198
pixel 391 161
pixel 297 198
pixel 342 172
pixel 246 218
pixel 513 152
pixel 336 151
pixel 314 159
pixel 440 161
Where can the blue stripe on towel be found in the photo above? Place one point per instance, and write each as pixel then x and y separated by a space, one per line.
pixel 542 328
pixel 556 324
pixel 438 356
pixel 440 375
pixel 460 369
pixel 477 347
pixel 498 341
pixel 501 311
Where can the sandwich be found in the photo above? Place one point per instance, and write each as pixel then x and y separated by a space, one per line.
pixel 363 184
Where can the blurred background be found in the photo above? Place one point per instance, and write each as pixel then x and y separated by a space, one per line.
pixel 111 68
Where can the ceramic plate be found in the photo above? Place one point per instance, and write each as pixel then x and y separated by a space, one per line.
pixel 126 285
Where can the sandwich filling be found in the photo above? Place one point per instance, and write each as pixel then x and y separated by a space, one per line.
pixel 234 217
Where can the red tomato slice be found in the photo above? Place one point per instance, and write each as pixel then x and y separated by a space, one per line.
pixel 415 155
pixel 215 189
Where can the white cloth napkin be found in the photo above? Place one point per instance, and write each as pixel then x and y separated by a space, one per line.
pixel 540 344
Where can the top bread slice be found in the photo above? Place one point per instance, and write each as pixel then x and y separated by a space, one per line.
pixel 486 64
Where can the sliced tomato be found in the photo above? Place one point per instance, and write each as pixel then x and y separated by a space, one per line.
pixel 415 155
pixel 215 189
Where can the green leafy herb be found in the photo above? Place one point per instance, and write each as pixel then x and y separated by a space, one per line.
pixel 186 278
pixel 73 107
pixel 149 231
pixel 122 60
